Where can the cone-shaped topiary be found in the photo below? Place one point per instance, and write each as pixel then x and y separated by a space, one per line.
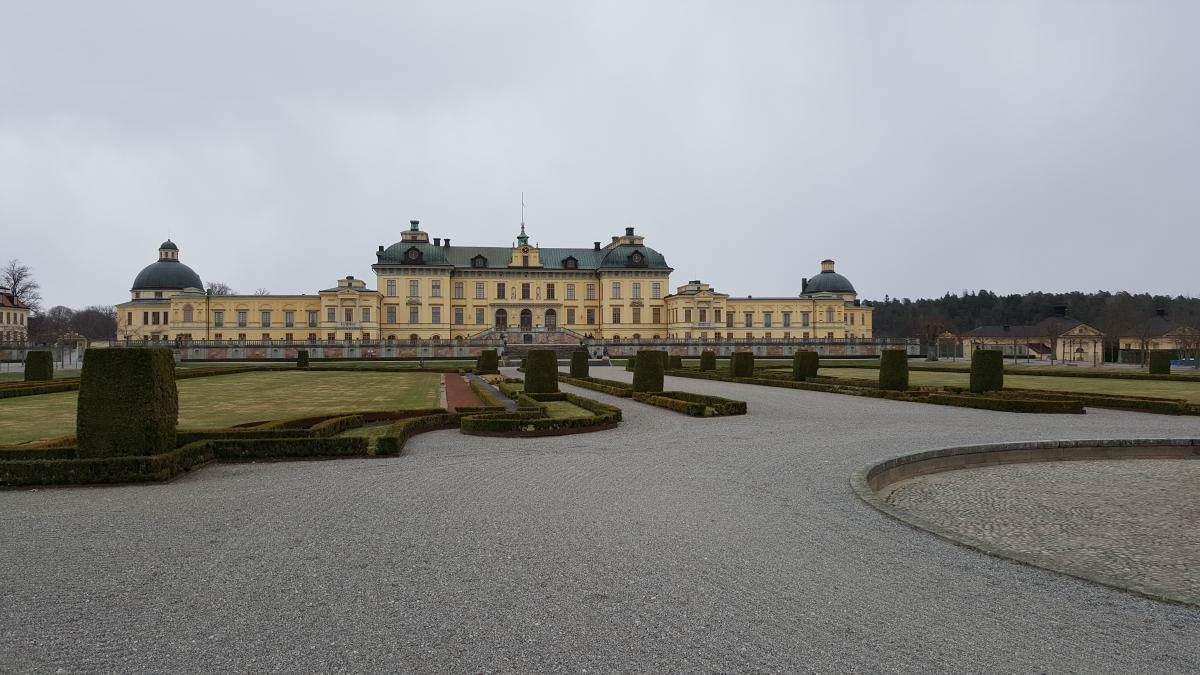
pixel 675 362
pixel 893 370
pixel 128 405
pixel 987 370
pixel 579 364
pixel 1160 362
pixel 39 366
pixel 301 358
pixel 488 362
pixel 708 360
pixel 741 364
pixel 648 371
pixel 541 371
pixel 805 365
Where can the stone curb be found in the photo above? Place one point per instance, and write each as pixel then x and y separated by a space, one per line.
pixel 861 483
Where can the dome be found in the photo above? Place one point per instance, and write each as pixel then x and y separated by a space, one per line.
pixel 169 245
pixel 166 274
pixel 828 281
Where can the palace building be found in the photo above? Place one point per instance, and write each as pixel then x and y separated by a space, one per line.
pixel 427 289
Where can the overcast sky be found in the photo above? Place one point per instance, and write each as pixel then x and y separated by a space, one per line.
pixel 927 147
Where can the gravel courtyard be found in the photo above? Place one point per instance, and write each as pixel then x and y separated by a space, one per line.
pixel 670 544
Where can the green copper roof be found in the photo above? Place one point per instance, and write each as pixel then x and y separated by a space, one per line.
pixel 498 257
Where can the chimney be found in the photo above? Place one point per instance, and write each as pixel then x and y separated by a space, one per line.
pixel 381 248
pixel 803 284
pixel 437 241
pixel 1060 310
pixel 1161 311
pixel 412 225
pixel 447 242
pixel 596 244
pixel 629 232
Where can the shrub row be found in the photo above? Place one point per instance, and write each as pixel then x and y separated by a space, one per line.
pixel 485 395
pixel 533 422
pixel 1047 372
pixel 35 388
pixel 1169 406
pixel 1016 405
pixel 610 387
pixel 159 467
pixel 288 448
pixel 391 444
pixel 695 405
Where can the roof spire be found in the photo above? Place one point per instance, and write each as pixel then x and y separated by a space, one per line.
pixel 523 239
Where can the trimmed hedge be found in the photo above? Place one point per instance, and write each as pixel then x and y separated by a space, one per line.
pixel 648 371
pixel 674 362
pixel 488 362
pixel 708 360
pixel 290 448
pixel 694 405
pixel 579 364
pixel 302 358
pixel 1070 407
pixel 630 363
pixel 1159 363
pixel 805 364
pixel 893 370
pixel 533 422
pixel 158 467
pixel 128 404
pixel 541 373
pixel 610 387
pixel 987 370
pixel 741 364
pixel 485 395
pixel 35 388
pixel 392 443
pixel 39 366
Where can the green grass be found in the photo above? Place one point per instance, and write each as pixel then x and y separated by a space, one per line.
pixel 215 402
pixel 564 409
pixel 1189 391
pixel 20 377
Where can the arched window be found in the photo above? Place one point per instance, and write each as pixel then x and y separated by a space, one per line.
pixel 436 337
pixel 501 319
pixel 391 338
pixel 187 313
pixel 551 319
pixel 413 338
pixel 526 319
pixel 616 338
pixel 636 336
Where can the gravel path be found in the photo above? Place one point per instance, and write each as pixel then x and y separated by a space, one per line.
pixel 669 544
pixel 1134 521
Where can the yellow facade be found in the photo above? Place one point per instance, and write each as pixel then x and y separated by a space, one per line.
pixel 14 318
pixel 429 290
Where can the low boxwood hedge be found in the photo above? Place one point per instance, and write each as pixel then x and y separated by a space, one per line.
pixel 392 443
pixel 1003 404
pixel 695 405
pixel 159 467
pixel 534 423
pixel 708 360
pixel 610 387
pixel 485 395
pixel 288 448
pixel 35 388
pixel 39 366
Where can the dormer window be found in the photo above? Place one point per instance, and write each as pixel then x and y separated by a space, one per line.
pixel 570 263
pixel 479 261
pixel 413 256
pixel 636 259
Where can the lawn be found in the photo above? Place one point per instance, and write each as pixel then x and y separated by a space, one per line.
pixel 1189 391
pixel 20 375
pixel 564 409
pixel 225 400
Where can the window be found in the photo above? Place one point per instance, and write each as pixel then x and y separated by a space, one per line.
pixel 366 314
pixel 499 290
pixel 829 315
pixel 218 318
pixel 289 318
pixel 154 318
pixel 687 315
pixel 787 319
pixel 524 291
pixel 242 318
pixel 729 322
pixel 656 315
pixel 550 291
pixel 129 320
pixel 312 319
pixel 749 335
pixel 749 319
pixel 266 337
pixel 767 318
pixel 804 320
pixel 436 314
pixel 479 315
pixel 851 319
pixel 479 261
pixel 158 294
pixel 458 290
pixel 570 316
pixel 717 318
pixel 266 319
pixel 458 315
pixel 570 291
pixel 656 290
pixel 703 316
pixel 391 288
pixel 616 290
pixel 616 313
pixel 391 314
pixel 414 288
pixel 637 290
pixel 591 292
pixel 187 313
pixel 525 261
pixel 218 337
pixel 637 314
pixel 435 288
pixel 414 315
pixel 480 293
pixel 591 316
pixel 331 313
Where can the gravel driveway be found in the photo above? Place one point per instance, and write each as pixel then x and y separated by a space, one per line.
pixel 669 544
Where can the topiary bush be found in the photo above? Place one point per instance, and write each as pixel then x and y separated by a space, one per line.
pixel 805 364
pixel 893 370
pixel 488 362
pixel 987 370
pixel 541 371
pixel 674 362
pixel 39 366
pixel 128 404
pixel 708 360
pixel 1160 362
pixel 648 371
pixel 629 363
pixel 741 364
pixel 579 364
pixel 302 358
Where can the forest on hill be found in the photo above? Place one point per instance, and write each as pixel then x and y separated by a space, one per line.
pixel 1112 313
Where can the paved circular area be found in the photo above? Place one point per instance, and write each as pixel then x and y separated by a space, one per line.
pixel 669 544
pixel 1136 522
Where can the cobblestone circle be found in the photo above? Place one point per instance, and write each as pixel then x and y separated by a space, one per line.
pixel 1136 521
pixel 670 544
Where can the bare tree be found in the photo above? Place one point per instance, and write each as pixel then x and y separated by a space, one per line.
pixel 261 291
pixel 98 322
pixel 930 329
pixel 18 278
pixel 48 327
pixel 220 288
